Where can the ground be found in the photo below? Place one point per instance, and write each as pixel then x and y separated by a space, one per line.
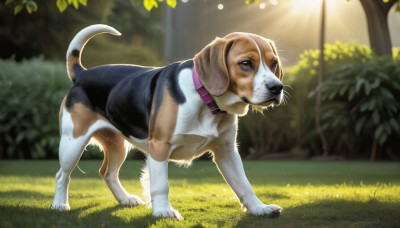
pixel 313 194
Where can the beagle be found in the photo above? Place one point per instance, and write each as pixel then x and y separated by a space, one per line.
pixel 172 113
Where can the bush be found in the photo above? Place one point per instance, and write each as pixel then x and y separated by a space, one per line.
pixel 30 95
pixel 303 79
pixel 360 111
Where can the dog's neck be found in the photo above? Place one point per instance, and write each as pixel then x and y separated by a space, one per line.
pixel 205 95
pixel 232 104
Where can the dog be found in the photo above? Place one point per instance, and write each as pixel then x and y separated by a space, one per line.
pixel 172 113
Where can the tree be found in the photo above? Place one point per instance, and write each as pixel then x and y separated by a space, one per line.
pixel 377 14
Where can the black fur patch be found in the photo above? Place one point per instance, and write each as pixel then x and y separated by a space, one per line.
pixel 124 93
pixel 75 53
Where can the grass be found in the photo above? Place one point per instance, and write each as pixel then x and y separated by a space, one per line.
pixel 324 194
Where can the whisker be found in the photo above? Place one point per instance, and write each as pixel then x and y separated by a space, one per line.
pixel 286 93
pixel 285 97
pixel 288 87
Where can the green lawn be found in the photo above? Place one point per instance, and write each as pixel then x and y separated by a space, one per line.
pixel 313 194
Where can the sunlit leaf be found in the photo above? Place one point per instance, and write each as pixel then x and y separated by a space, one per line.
pixel 150 4
pixel 18 9
pixel 31 6
pixel 171 3
pixel 83 2
pixel 251 1
pixel 61 5
pixel 75 3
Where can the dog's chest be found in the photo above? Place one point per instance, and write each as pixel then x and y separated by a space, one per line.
pixel 197 128
pixel 194 134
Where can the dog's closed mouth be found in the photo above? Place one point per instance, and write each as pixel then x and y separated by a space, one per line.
pixel 274 100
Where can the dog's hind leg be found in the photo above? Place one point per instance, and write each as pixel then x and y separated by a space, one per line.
pixel 114 155
pixel 70 151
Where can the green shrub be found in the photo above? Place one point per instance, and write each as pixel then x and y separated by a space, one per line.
pixel 30 95
pixel 303 79
pixel 361 109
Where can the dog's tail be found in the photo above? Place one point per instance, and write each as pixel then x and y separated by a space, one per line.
pixel 74 64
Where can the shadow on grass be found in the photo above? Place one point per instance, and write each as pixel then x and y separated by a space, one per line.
pixel 30 216
pixel 324 213
pixel 331 213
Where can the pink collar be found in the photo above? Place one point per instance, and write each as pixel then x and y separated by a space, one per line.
pixel 204 94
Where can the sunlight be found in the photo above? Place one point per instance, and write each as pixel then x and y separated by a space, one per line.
pixel 306 5
pixel 312 5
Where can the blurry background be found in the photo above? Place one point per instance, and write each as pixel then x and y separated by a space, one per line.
pixel 360 106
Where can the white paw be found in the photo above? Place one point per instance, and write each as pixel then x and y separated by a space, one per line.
pixel 272 210
pixel 168 213
pixel 131 200
pixel 60 207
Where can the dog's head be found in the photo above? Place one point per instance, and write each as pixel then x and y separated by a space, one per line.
pixel 241 69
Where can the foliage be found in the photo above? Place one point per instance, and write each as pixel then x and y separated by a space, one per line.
pixel 46 33
pixel 361 105
pixel 30 95
pixel 31 6
pixel 355 78
pixel 312 194
pixel 150 4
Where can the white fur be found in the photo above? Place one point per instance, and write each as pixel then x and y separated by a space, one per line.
pixel 70 151
pixel 83 36
pixel 159 189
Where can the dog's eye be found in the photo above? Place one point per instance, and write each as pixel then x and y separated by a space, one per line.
pixel 274 64
pixel 246 65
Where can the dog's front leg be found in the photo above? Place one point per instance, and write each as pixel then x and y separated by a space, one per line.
pixel 230 165
pixel 159 189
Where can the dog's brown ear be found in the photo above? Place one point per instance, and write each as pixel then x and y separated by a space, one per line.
pixel 279 70
pixel 212 67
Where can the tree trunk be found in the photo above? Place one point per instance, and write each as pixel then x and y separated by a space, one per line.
pixel 321 69
pixel 377 12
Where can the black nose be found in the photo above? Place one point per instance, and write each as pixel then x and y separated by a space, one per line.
pixel 275 88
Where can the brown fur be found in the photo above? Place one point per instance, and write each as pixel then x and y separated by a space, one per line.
pixel 217 63
pixel 111 143
pixel 162 127
pixel 211 66
pixel 83 118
